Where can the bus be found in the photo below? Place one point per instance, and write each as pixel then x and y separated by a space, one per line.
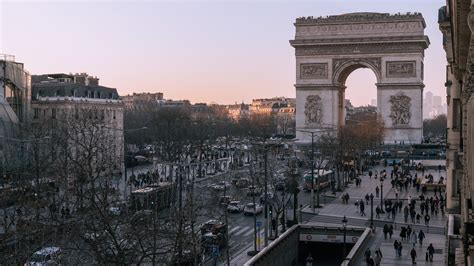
pixel 321 176
pixel 153 197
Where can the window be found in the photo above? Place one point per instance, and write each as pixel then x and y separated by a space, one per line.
pixel 36 113
pixel 53 113
pixel 456 114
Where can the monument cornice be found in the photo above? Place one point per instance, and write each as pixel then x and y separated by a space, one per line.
pixel 405 86
pixel 311 87
pixel 360 48
pixel 361 40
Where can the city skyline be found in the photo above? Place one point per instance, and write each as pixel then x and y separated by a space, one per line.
pixel 211 51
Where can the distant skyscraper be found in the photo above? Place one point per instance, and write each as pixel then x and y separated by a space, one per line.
pixel 436 101
pixel 373 102
pixel 427 105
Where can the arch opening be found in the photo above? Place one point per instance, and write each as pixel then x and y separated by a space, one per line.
pixel 359 93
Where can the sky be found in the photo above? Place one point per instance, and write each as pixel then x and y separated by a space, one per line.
pixel 204 51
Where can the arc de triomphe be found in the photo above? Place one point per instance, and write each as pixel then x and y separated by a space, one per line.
pixel 329 48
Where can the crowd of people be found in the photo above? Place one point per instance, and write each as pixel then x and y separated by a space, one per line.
pixel 415 210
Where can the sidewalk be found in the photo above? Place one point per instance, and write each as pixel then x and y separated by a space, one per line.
pixel 367 187
pixel 388 252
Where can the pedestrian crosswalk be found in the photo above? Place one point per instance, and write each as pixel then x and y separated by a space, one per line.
pixel 243 230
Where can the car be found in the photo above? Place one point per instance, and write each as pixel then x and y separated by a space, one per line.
pixel 115 210
pixel 46 256
pixel 253 209
pixel 213 226
pixel 209 239
pixel 269 196
pixel 224 200
pixel 225 184
pixel 280 185
pixel 242 183
pixel 142 217
pixel 235 207
pixel 254 191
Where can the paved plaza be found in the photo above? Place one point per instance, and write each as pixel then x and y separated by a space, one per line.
pixel 435 232
pixel 333 212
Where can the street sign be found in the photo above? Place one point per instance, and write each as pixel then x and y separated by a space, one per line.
pixel 214 251
pixel 259 224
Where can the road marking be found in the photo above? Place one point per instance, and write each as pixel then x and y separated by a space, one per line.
pixel 242 230
pixel 234 229
pixel 249 232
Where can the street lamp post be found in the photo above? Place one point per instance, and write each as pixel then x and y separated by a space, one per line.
pixel 371 211
pixel 344 224
pixel 381 195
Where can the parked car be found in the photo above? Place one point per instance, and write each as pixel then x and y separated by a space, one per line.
pixel 280 185
pixel 235 207
pixel 269 197
pixel 251 209
pixel 46 256
pixel 242 183
pixel 224 200
pixel 142 217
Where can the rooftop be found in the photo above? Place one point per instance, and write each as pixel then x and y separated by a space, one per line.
pixel 359 17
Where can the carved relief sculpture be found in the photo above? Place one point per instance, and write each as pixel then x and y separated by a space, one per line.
pixel 314 71
pixel 403 69
pixel 400 109
pixel 313 110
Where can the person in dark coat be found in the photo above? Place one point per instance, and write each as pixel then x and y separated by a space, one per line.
pixel 421 236
pixel 413 256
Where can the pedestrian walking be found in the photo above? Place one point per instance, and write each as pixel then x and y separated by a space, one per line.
pixel 427 219
pixel 421 236
pixel 377 212
pixel 377 259
pixel 413 256
pixel 362 208
pixel 431 251
pixel 390 231
pixel 385 230
pixel 413 238
pixel 403 233
pixel 367 198
pixel 395 247
pixel 370 262
pixel 400 248
pixel 367 255
pixel 405 213
pixel 377 190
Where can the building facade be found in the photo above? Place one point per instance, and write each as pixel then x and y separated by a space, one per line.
pixel 142 101
pixel 456 22
pixel 76 112
pixel 15 93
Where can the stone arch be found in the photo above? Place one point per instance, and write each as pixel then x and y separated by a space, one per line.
pixel 328 49
pixel 342 68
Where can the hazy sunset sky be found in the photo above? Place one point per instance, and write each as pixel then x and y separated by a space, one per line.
pixel 204 51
